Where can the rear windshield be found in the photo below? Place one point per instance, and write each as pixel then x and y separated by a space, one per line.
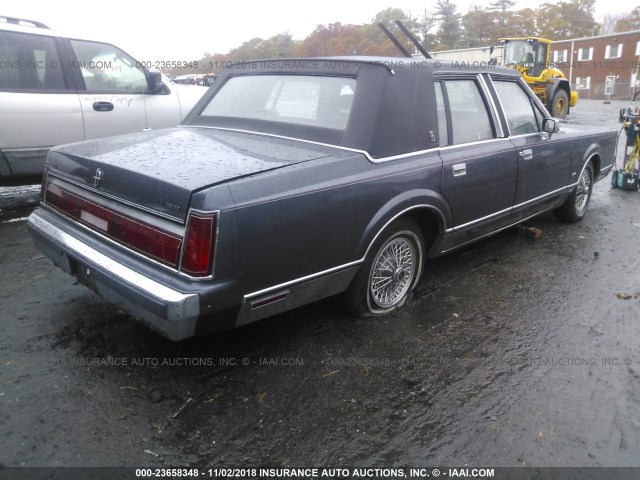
pixel 297 99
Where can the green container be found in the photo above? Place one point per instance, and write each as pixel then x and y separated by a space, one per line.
pixel 625 181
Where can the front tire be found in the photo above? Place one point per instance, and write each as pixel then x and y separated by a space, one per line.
pixel 390 273
pixel 576 205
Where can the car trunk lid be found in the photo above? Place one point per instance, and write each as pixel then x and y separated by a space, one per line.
pixel 160 170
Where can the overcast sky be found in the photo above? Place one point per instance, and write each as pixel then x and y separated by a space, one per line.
pixel 184 30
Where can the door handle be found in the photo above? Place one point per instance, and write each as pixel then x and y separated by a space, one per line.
pixel 459 169
pixel 526 154
pixel 102 106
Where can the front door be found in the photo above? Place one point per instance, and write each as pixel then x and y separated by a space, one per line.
pixel 113 100
pixel 543 165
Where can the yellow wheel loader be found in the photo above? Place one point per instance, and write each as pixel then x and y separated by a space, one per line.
pixel 530 56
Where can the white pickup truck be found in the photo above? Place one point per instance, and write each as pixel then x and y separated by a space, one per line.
pixel 56 90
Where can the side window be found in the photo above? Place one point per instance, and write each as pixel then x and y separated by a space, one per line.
pixel 539 118
pixel 29 62
pixel 443 130
pixel 107 68
pixel 521 117
pixel 469 116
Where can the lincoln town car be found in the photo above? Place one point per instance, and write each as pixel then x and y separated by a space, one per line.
pixel 295 180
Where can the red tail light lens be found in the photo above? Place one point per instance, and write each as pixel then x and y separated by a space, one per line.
pixel 131 232
pixel 165 247
pixel 200 240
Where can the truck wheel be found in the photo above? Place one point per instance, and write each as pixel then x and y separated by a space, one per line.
pixel 560 104
pixel 575 206
pixel 391 271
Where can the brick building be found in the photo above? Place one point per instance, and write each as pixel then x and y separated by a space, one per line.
pixel 600 67
pixel 595 66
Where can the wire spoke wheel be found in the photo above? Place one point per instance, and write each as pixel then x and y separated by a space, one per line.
pixel 576 205
pixel 393 272
pixel 392 269
pixel 583 192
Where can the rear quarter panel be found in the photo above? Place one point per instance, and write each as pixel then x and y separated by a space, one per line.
pixel 312 217
pixel 587 143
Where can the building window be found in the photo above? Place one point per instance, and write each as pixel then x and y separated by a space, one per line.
pixel 613 51
pixel 585 54
pixel 583 83
pixel 560 56
pixel 638 48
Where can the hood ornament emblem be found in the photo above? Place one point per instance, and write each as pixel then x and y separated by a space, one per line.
pixel 97 178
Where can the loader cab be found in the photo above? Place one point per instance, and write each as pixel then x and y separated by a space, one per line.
pixel 531 54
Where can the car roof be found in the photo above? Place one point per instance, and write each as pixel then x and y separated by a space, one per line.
pixel 24 25
pixel 387 128
pixel 34 27
pixel 392 64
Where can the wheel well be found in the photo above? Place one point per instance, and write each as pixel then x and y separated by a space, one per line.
pixel 560 86
pixel 430 223
pixel 553 87
pixel 595 161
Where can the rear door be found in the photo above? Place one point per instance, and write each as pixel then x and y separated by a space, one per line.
pixel 39 105
pixel 479 166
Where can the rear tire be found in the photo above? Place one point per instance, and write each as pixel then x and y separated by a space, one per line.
pixel 576 205
pixel 560 104
pixel 390 273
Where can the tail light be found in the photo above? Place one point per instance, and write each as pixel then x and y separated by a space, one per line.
pixel 199 243
pixel 133 233
pixel 192 254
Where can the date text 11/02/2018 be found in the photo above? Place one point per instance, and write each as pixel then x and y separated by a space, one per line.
pixel 340 473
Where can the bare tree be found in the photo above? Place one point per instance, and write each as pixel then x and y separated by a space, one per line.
pixel 608 22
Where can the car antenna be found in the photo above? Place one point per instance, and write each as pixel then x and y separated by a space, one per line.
pixel 413 40
pixel 395 41
pixel 409 35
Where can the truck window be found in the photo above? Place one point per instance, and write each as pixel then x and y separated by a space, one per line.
pixel 517 107
pixel 29 62
pixel 470 120
pixel 106 68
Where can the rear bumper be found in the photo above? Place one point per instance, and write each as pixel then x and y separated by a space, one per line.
pixel 168 311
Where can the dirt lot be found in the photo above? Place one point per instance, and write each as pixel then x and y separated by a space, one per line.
pixel 513 352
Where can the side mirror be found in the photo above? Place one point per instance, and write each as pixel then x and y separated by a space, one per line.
pixel 550 125
pixel 154 80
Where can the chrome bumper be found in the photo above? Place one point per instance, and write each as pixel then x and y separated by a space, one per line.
pixel 168 311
